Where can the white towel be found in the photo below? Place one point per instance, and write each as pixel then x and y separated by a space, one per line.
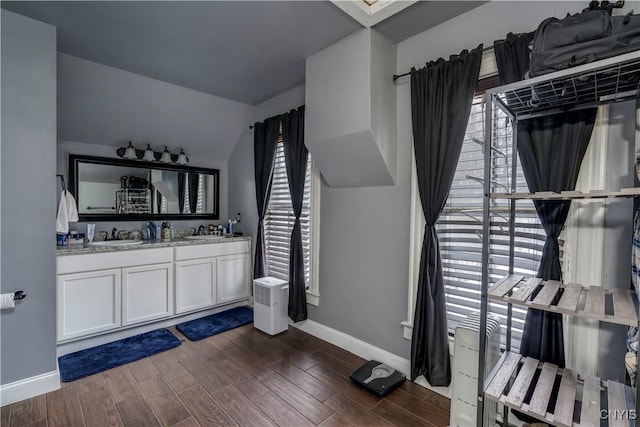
pixel 72 209
pixel 67 212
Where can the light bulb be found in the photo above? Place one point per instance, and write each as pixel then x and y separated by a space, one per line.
pixel 148 154
pixel 130 152
pixel 166 156
pixel 182 158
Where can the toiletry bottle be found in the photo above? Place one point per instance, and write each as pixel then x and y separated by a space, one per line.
pixel 91 230
pixel 230 227
pixel 158 233
pixel 171 231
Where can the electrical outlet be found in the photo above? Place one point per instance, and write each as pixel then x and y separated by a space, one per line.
pixel 238 217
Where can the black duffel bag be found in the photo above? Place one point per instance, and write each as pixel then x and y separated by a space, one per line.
pixel 134 183
pixel 581 38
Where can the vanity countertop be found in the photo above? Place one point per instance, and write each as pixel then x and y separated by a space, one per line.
pixel 147 244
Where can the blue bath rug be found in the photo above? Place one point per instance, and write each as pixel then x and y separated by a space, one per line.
pixel 106 356
pixel 216 323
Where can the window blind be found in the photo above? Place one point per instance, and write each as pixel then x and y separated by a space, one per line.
pixel 279 219
pixel 460 225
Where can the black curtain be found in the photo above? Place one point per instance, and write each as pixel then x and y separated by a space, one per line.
pixel 512 56
pixel 265 139
pixel 194 187
pixel 155 198
pixel 551 149
pixel 182 177
pixel 441 98
pixel 295 158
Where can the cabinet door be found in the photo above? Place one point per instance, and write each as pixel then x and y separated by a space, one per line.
pixel 88 303
pixel 147 293
pixel 195 284
pixel 234 277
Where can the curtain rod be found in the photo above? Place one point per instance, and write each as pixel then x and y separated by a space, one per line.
pixel 278 115
pixel 397 76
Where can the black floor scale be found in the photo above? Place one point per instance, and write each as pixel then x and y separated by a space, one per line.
pixel 378 378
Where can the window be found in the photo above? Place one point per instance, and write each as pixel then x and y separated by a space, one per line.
pixel 460 227
pixel 200 202
pixel 279 220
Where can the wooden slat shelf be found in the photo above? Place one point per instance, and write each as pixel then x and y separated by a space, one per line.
pixel 569 195
pixel 525 384
pixel 516 289
pixel 508 386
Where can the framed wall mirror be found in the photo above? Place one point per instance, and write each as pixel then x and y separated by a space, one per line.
pixel 110 189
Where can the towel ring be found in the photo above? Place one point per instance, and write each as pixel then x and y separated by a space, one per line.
pixel 64 186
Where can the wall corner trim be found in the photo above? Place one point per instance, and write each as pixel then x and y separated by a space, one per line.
pixel 29 387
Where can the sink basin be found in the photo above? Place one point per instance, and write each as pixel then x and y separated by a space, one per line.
pixel 107 243
pixel 206 237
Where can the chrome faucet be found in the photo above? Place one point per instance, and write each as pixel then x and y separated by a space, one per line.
pixel 201 230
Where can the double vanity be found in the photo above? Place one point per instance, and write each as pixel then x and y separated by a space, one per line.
pixel 115 286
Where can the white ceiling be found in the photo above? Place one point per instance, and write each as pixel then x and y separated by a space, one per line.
pixel 247 51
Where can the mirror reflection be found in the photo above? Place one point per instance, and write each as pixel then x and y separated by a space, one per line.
pixel 115 187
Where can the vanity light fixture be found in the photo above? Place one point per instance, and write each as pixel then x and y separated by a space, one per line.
pixel 182 158
pixel 130 152
pixel 149 155
pixel 166 156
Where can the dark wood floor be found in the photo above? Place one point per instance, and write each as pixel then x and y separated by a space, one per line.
pixel 241 377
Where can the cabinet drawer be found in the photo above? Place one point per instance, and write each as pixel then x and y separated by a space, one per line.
pixel 212 250
pixel 102 261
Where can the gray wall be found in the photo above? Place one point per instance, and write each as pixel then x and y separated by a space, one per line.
pixel 242 188
pixel 27 173
pixel 364 246
pixel 103 105
pixel 65 147
pixel 364 232
pixel 350 126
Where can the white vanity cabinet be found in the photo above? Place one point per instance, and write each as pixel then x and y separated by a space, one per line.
pixel 104 292
pixel 100 292
pixel 88 303
pixel 195 284
pixel 147 293
pixel 233 277
pixel 207 275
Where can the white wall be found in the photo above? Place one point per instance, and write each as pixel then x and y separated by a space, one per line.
pixel 618 231
pixel 98 194
pixel 28 334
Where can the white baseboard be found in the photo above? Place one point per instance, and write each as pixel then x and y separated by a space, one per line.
pixel 29 387
pixel 366 351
